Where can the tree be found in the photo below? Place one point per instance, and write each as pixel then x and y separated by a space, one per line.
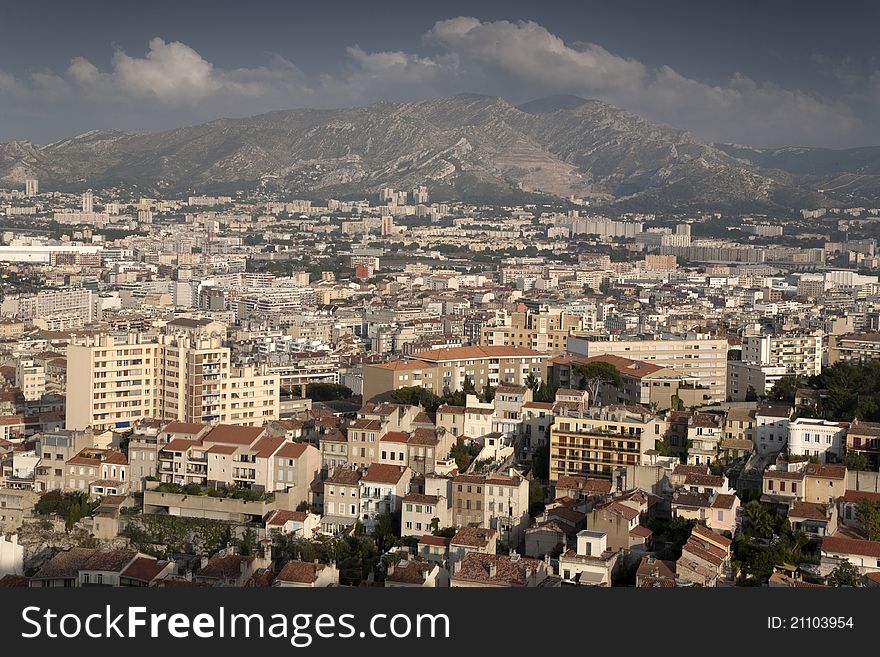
pixel 845 574
pixel 247 544
pixel 327 392
pixel 868 515
pixel 532 382
pixel 302 506
pixel 596 374
pixel 786 388
pixel 416 396
pixel 751 394
pixel 760 520
pixel 855 461
pixel 488 393
pixel 467 386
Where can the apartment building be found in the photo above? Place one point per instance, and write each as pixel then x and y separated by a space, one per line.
pixel 544 332
pixel 169 377
pixel 342 501
pixel 439 370
pixel 382 489
pixel 77 304
pixel 693 355
pixel 55 449
pixel 642 383
pixel 799 353
pixel 243 457
pixel 594 442
pixel 30 378
pixel 853 348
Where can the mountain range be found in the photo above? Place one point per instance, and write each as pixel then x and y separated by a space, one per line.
pixel 468 147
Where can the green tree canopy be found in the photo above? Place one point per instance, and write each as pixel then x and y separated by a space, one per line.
pixel 593 375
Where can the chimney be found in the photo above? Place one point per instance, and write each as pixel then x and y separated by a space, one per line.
pixel 493 569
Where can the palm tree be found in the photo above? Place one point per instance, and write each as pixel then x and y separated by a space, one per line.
pixel 760 520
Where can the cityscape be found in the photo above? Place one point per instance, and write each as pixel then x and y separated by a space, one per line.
pixel 459 340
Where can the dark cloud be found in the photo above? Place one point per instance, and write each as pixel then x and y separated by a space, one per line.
pixel 172 83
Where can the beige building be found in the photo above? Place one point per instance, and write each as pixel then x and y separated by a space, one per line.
pixel 342 501
pixel 703 358
pixel 243 457
pixel 441 370
pixel 183 377
pixel 853 348
pixel 544 332
pixel 593 442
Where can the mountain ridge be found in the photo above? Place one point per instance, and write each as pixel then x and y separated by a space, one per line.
pixel 468 146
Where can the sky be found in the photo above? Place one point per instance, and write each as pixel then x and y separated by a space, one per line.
pixel 763 74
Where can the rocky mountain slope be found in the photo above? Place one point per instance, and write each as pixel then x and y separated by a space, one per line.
pixel 466 146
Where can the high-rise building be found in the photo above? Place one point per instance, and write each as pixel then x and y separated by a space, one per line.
pixel 31 187
pixel 183 377
pixel 88 202
pixel 387 225
pixel 420 195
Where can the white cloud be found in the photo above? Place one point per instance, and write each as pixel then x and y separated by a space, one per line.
pixel 173 83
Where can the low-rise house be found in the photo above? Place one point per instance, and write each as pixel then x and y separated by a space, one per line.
pixel 724 514
pixel 299 523
pixel 813 518
pixel 342 501
pixel 412 573
pixel 546 537
pixel 576 487
pixel 229 569
pixel 382 490
pixel 15 506
pixel 692 506
pixel 655 573
pixel 145 571
pixel 493 570
pixel 848 504
pixel 771 427
pixel 864 438
pixel 705 558
pixel 434 548
pixel 421 514
pixel 305 574
pixel 782 486
pixel 472 539
pixel 77 566
pixel 864 555
pixel 616 520
pixel 817 438
pixel 591 562
pixel 824 483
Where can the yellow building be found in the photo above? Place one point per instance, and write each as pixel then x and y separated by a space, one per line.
pixel 593 442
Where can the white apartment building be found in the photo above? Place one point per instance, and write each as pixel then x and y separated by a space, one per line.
pixel 704 358
pixel 820 438
pixel 30 378
pixel 798 354
pixel 167 377
pixel 771 428
pixel 49 303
